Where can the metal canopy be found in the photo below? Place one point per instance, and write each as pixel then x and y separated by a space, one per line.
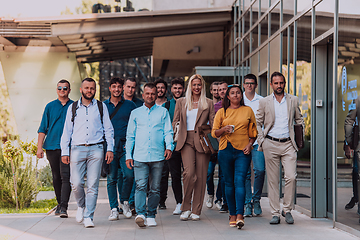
pixel 109 36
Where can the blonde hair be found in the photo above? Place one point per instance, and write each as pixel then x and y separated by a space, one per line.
pixel 188 95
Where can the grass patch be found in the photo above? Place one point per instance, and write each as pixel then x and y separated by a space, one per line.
pixel 46 188
pixel 41 206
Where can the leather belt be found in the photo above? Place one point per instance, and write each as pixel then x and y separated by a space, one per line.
pixel 91 144
pixel 278 139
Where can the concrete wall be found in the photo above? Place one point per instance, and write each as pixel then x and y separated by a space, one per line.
pixel 189 4
pixel 174 49
pixel 31 79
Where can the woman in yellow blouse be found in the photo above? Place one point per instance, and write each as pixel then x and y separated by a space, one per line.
pixel 231 124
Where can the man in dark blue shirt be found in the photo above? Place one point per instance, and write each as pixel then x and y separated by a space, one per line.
pixel 129 91
pixel 120 179
pixel 52 124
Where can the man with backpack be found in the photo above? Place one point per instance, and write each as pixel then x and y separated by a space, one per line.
pixel 120 178
pixel 87 127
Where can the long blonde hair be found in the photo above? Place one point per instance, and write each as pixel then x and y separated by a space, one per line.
pixel 188 95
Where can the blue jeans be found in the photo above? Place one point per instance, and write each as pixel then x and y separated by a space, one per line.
pixel 234 164
pixel 115 181
pixel 258 160
pixel 143 172
pixel 128 181
pixel 86 160
pixel 210 179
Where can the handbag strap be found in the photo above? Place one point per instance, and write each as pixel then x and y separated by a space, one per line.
pixel 118 106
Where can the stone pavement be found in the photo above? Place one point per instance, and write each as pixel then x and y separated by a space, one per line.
pixel 213 225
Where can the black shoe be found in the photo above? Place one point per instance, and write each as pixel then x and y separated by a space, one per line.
pixel 288 217
pixel 57 210
pixel 162 206
pixel 351 204
pixel 224 208
pixel 63 214
pixel 275 220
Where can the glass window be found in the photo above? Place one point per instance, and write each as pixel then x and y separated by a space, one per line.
pixel 264 29
pixel 324 17
pixel 275 19
pixel 303 4
pixel 348 90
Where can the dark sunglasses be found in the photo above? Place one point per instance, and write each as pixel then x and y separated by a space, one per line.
pixel 64 88
pixel 249 83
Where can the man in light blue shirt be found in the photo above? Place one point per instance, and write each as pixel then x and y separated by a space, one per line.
pixel 85 127
pixel 252 199
pixel 149 140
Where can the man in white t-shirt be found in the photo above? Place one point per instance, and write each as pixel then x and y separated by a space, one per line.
pixel 252 199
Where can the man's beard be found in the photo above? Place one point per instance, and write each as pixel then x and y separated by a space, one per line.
pixel 88 98
pixel 217 97
pixel 161 96
pixel 281 91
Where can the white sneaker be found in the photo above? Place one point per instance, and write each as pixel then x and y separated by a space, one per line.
pixel 150 222
pixel 126 209
pixel 114 215
pixel 88 223
pixel 140 220
pixel 194 217
pixel 209 201
pixel 80 214
pixel 218 205
pixel 177 210
pixel 185 215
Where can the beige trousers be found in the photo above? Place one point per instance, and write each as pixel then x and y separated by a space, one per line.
pixel 194 175
pixel 276 152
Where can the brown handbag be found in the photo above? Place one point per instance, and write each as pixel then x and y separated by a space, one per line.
pixel 355 137
pixel 299 136
pixel 208 143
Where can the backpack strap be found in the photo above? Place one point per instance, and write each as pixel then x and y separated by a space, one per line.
pixel 118 106
pixel 101 110
pixel 167 105
pixel 74 108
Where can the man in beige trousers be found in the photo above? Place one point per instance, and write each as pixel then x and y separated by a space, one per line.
pixel 275 120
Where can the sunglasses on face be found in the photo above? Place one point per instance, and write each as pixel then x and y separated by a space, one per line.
pixel 249 83
pixel 64 88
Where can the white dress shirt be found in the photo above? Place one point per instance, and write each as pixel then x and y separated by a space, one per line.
pixel 281 124
pixel 254 104
pixel 87 127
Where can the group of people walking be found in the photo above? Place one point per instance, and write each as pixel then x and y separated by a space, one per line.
pixel 137 140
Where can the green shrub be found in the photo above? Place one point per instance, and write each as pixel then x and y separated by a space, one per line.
pixel 25 176
pixel 45 178
pixel 40 206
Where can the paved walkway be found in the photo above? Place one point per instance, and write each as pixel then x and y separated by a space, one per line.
pixel 213 225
